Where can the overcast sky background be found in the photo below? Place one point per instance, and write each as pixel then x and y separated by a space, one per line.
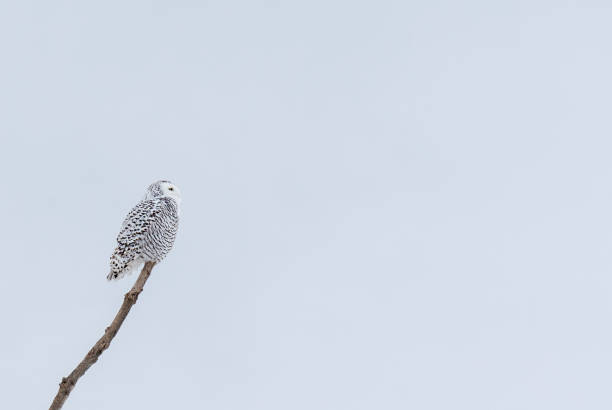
pixel 386 205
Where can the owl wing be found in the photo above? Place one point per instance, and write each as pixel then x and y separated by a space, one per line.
pixel 129 241
pixel 137 223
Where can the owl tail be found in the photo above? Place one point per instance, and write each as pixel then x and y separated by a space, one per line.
pixel 115 275
pixel 120 267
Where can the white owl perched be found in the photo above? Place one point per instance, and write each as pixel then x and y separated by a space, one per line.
pixel 148 232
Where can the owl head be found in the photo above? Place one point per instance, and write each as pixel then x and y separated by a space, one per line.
pixel 163 188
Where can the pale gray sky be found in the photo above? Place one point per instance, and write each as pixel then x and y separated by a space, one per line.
pixel 387 205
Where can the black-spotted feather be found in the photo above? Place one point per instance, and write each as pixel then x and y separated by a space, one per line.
pixel 147 234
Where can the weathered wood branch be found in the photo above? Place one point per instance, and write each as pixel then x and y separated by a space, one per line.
pixel 102 344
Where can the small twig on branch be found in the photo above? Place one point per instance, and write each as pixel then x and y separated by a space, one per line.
pixel 102 344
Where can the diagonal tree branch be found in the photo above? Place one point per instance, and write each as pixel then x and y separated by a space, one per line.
pixel 102 344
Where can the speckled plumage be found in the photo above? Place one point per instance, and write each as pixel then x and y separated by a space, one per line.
pixel 148 231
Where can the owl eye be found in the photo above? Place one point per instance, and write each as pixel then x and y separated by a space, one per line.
pixel 171 189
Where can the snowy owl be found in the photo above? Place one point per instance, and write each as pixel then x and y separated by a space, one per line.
pixel 148 232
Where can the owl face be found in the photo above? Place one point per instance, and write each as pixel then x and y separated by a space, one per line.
pixel 169 189
pixel 163 188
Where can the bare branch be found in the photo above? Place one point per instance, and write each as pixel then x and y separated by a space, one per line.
pixel 102 344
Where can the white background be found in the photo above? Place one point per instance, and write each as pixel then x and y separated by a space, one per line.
pixel 387 205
